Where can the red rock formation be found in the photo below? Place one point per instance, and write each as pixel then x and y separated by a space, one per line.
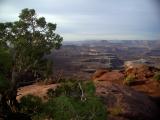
pixel 123 103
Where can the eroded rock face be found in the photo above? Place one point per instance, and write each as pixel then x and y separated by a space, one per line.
pixel 99 73
pixel 123 103
pixel 106 75
pixel 140 71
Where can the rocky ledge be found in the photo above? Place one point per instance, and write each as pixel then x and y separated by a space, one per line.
pixel 128 102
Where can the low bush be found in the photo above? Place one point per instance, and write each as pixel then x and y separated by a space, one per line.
pixel 72 88
pixel 157 76
pixel 73 100
pixel 31 104
pixel 129 80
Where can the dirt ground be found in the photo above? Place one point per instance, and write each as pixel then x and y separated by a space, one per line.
pixel 36 89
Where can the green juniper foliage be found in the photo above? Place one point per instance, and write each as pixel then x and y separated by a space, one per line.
pixel 65 103
pixel 5 66
pixel 29 39
pixel 24 45
pixel 4 84
pixel 31 104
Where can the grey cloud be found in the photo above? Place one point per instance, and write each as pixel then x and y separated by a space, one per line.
pixel 92 18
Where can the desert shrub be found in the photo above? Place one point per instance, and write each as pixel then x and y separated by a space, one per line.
pixel 70 103
pixel 91 109
pixel 31 104
pixel 129 80
pixel 63 108
pixel 68 108
pixel 73 88
pixel 67 88
pixel 66 103
pixel 59 108
pixel 89 88
pixel 157 76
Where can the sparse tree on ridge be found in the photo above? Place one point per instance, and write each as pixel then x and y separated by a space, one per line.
pixel 27 41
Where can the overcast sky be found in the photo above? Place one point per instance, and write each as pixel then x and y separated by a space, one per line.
pixel 93 19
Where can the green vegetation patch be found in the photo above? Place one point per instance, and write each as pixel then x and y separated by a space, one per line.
pixel 31 104
pixel 157 77
pixel 73 100
pixel 129 80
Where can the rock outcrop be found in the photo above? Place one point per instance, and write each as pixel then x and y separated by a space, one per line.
pixel 124 103
pixel 140 71
pixel 106 75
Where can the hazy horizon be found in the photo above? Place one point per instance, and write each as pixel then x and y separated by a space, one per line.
pixel 93 19
pixel 108 40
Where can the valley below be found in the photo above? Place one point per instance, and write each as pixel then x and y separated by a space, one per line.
pixel 84 57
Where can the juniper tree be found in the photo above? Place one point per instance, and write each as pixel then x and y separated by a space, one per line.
pixel 28 40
